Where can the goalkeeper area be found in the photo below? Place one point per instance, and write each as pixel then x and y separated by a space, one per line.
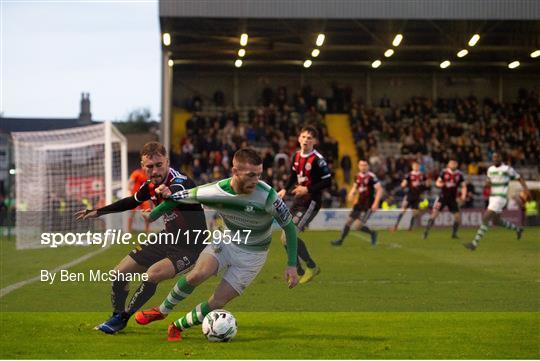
pixel 405 298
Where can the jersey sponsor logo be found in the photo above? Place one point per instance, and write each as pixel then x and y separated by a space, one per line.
pixel 249 208
pixel 178 180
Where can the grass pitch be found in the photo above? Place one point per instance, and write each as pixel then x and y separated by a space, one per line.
pixel 405 298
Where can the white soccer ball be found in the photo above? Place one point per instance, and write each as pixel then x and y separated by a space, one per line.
pixel 219 326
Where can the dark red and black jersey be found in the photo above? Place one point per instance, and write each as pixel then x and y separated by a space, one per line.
pixel 365 184
pixel 452 180
pixel 184 216
pixel 416 182
pixel 311 171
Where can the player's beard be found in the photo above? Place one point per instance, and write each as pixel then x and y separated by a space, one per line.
pixel 246 189
pixel 157 179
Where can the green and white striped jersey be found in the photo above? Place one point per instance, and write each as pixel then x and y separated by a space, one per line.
pixel 500 177
pixel 241 212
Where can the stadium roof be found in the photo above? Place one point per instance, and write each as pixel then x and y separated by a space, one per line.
pixel 9 125
pixel 283 33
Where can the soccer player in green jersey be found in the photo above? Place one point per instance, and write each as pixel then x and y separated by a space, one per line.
pixel 248 207
pixel 499 176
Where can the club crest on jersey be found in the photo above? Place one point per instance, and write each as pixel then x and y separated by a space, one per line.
pixel 308 166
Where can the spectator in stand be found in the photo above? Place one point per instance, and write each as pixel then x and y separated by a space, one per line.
pixel 346 165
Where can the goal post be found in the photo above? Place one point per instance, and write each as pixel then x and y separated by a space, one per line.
pixel 59 172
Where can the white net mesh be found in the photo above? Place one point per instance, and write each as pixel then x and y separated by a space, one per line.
pixel 62 171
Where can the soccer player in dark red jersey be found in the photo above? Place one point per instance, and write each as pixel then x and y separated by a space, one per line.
pixel 369 191
pixel 416 182
pixel 450 181
pixel 309 176
pixel 160 261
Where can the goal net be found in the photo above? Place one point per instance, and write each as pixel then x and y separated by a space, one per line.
pixel 60 172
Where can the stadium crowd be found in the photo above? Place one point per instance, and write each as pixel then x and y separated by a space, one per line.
pixel 424 130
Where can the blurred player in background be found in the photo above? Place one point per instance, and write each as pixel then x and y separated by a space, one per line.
pixel 309 176
pixel 416 182
pixel 248 207
pixel 450 180
pixel 136 180
pixel 369 191
pixel 499 176
pixel 161 261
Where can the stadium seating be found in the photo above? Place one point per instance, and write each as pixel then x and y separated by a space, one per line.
pixel 388 136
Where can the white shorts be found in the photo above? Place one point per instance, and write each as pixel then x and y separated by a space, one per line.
pixel 496 204
pixel 240 266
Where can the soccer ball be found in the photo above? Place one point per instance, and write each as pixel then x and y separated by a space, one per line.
pixel 219 326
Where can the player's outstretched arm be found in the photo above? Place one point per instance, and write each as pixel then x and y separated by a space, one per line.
pixel 85 214
pixel 184 196
pixel 121 205
pixel 165 207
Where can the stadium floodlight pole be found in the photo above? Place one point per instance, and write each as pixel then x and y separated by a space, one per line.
pixel 166 90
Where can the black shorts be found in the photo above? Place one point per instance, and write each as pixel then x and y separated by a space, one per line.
pixel 361 211
pixel 413 201
pixel 182 258
pixel 303 212
pixel 442 202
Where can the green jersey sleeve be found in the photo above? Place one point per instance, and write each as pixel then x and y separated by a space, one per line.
pixel 278 209
pixel 184 196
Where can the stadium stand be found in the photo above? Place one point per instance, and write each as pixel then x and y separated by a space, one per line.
pixel 389 136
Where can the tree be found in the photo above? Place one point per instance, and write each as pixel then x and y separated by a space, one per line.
pixel 140 115
pixel 138 121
